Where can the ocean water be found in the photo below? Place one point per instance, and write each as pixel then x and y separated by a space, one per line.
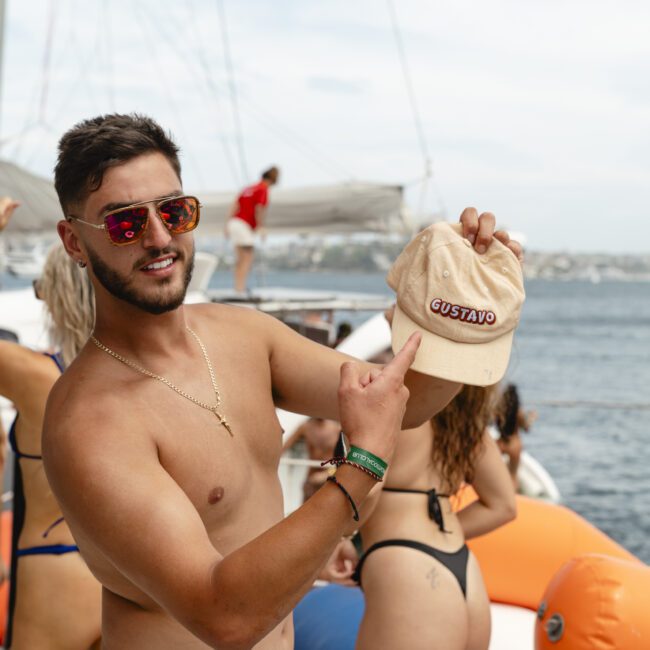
pixel 587 347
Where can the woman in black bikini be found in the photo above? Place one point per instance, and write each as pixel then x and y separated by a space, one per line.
pixel 423 588
pixel 55 602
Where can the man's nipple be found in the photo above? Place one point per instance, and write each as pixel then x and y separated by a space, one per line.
pixel 215 495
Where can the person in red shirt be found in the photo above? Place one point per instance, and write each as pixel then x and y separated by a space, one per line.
pixel 247 215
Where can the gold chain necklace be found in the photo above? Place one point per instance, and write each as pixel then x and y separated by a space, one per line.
pixel 214 409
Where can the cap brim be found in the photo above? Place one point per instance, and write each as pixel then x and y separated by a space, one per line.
pixel 477 364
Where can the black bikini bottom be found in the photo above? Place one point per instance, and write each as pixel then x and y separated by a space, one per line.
pixel 456 562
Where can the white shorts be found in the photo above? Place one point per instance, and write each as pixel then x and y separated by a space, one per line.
pixel 240 232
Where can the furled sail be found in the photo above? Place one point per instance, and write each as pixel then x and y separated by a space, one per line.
pixel 340 208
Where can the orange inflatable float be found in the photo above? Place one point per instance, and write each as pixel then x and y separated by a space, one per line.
pixel 596 602
pixel 519 559
pixel 5 552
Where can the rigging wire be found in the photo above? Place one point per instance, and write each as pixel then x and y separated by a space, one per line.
pixel 409 89
pixel 612 406
pixel 69 96
pixel 84 64
pixel 239 138
pixel 297 142
pixel 209 90
pixel 47 57
pixel 42 86
pixel 30 122
pixel 108 41
pixel 150 40
pixel 271 123
pixel 417 121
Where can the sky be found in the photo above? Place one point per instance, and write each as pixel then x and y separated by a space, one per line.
pixel 536 111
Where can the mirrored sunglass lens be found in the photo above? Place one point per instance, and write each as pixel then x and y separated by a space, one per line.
pixel 126 225
pixel 179 214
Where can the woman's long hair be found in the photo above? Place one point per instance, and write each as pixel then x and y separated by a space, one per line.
pixel 70 301
pixel 458 433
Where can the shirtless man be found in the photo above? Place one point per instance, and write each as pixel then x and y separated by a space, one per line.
pixel 320 438
pixel 169 483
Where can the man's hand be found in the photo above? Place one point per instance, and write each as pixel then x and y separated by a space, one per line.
pixel 479 229
pixel 372 405
pixel 341 565
pixel 7 207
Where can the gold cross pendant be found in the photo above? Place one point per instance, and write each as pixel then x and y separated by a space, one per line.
pixel 223 421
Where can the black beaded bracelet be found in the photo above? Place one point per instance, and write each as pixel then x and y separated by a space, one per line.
pixel 336 482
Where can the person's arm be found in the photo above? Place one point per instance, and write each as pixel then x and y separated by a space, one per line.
pixel 340 566
pixel 526 419
pixel 512 448
pixel 260 215
pixel 3 448
pixel 26 378
pixel 3 459
pixel 161 544
pixel 297 435
pixel 496 503
pixel 234 208
pixel 310 388
pixel 7 207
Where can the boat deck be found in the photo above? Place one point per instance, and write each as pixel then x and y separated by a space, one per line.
pixel 279 300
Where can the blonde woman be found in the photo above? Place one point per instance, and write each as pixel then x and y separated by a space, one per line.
pixel 54 599
pixel 422 586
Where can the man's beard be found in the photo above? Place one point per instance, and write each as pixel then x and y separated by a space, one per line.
pixel 119 286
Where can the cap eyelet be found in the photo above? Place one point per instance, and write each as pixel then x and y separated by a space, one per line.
pixel 445 274
pixel 504 269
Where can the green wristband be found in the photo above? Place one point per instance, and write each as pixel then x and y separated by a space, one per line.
pixel 366 459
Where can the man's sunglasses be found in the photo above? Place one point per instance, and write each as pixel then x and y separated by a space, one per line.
pixel 126 225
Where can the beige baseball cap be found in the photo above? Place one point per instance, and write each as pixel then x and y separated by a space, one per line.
pixel 465 305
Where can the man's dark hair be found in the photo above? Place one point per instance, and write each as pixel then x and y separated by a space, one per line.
pixel 93 146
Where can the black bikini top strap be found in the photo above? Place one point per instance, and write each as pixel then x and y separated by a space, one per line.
pixel 13 443
pixel 57 358
pixel 48 530
pixel 405 490
pixel 435 511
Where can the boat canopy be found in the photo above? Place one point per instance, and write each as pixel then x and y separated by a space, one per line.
pixel 341 208
pixel 39 206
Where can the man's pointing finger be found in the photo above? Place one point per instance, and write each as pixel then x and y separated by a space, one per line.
pixel 405 357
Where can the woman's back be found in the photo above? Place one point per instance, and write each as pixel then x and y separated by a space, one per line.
pixel 423 587
pixel 32 377
pixel 54 601
pixel 406 514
